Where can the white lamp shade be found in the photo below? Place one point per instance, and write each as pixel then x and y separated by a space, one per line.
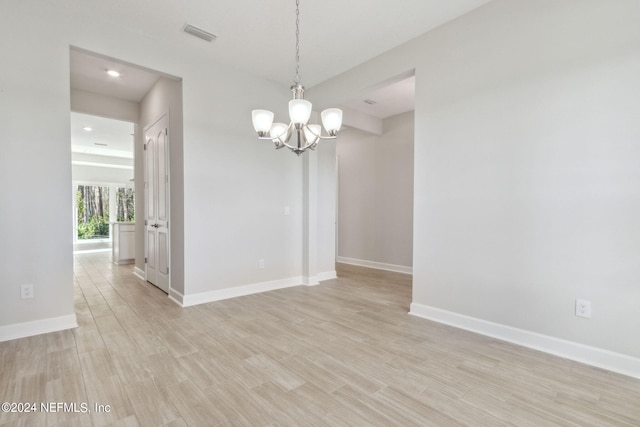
pixel 312 133
pixel 278 132
pixel 332 119
pixel 262 120
pixel 299 111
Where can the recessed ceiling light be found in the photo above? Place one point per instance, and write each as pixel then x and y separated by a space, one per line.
pixel 87 128
pixel 113 73
pixel 101 144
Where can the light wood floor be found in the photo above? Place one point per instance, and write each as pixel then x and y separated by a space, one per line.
pixel 341 353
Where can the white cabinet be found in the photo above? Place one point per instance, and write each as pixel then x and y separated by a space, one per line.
pixel 124 242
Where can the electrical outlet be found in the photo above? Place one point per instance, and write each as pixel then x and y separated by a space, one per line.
pixel 261 263
pixel 26 291
pixel 583 308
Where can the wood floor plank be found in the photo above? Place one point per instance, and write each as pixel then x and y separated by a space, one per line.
pixel 193 405
pixel 350 375
pixel 108 391
pixel 442 400
pixel 415 409
pixel 275 372
pixel 287 402
pixel 374 410
pixel 313 373
pixel 152 407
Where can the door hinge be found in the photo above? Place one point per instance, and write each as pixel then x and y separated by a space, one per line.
pixel 145 222
pixel 166 131
pixel 167 270
pixel 145 260
pixel 145 147
pixel 167 224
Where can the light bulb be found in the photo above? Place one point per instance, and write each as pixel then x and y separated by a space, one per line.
pixel 262 120
pixel 332 120
pixel 312 133
pixel 279 132
pixel 299 111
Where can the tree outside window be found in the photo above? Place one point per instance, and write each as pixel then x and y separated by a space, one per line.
pixel 93 210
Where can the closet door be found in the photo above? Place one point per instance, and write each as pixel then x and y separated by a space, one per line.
pixel 156 192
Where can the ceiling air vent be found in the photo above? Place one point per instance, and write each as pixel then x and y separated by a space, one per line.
pixel 369 101
pixel 199 33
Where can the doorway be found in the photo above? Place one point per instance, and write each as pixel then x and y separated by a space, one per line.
pixel 138 95
pixel 375 178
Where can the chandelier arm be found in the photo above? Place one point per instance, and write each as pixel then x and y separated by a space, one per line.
pixel 271 138
pixel 319 135
pixel 296 148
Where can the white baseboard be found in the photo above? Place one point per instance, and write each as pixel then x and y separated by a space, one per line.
pixel 310 280
pixel 238 291
pixel 327 275
pixel 139 273
pixel 255 288
pixel 320 277
pixel 376 265
pixel 176 297
pixel 37 327
pixel 605 359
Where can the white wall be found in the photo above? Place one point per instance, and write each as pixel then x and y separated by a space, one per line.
pixel 375 218
pixel 104 106
pixel 527 190
pixel 100 175
pixel 235 187
pixel 115 170
pixel 35 172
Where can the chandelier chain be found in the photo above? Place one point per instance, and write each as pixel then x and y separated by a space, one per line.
pixel 297 79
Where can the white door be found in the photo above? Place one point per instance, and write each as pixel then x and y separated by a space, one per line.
pixel 156 193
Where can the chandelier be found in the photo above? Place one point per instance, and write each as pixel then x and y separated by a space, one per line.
pixel 305 136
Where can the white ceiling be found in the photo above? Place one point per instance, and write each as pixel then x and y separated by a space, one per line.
pixel 389 100
pixel 108 137
pixel 259 37
pixel 89 73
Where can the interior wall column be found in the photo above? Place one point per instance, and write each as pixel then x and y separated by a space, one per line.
pixel 310 218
